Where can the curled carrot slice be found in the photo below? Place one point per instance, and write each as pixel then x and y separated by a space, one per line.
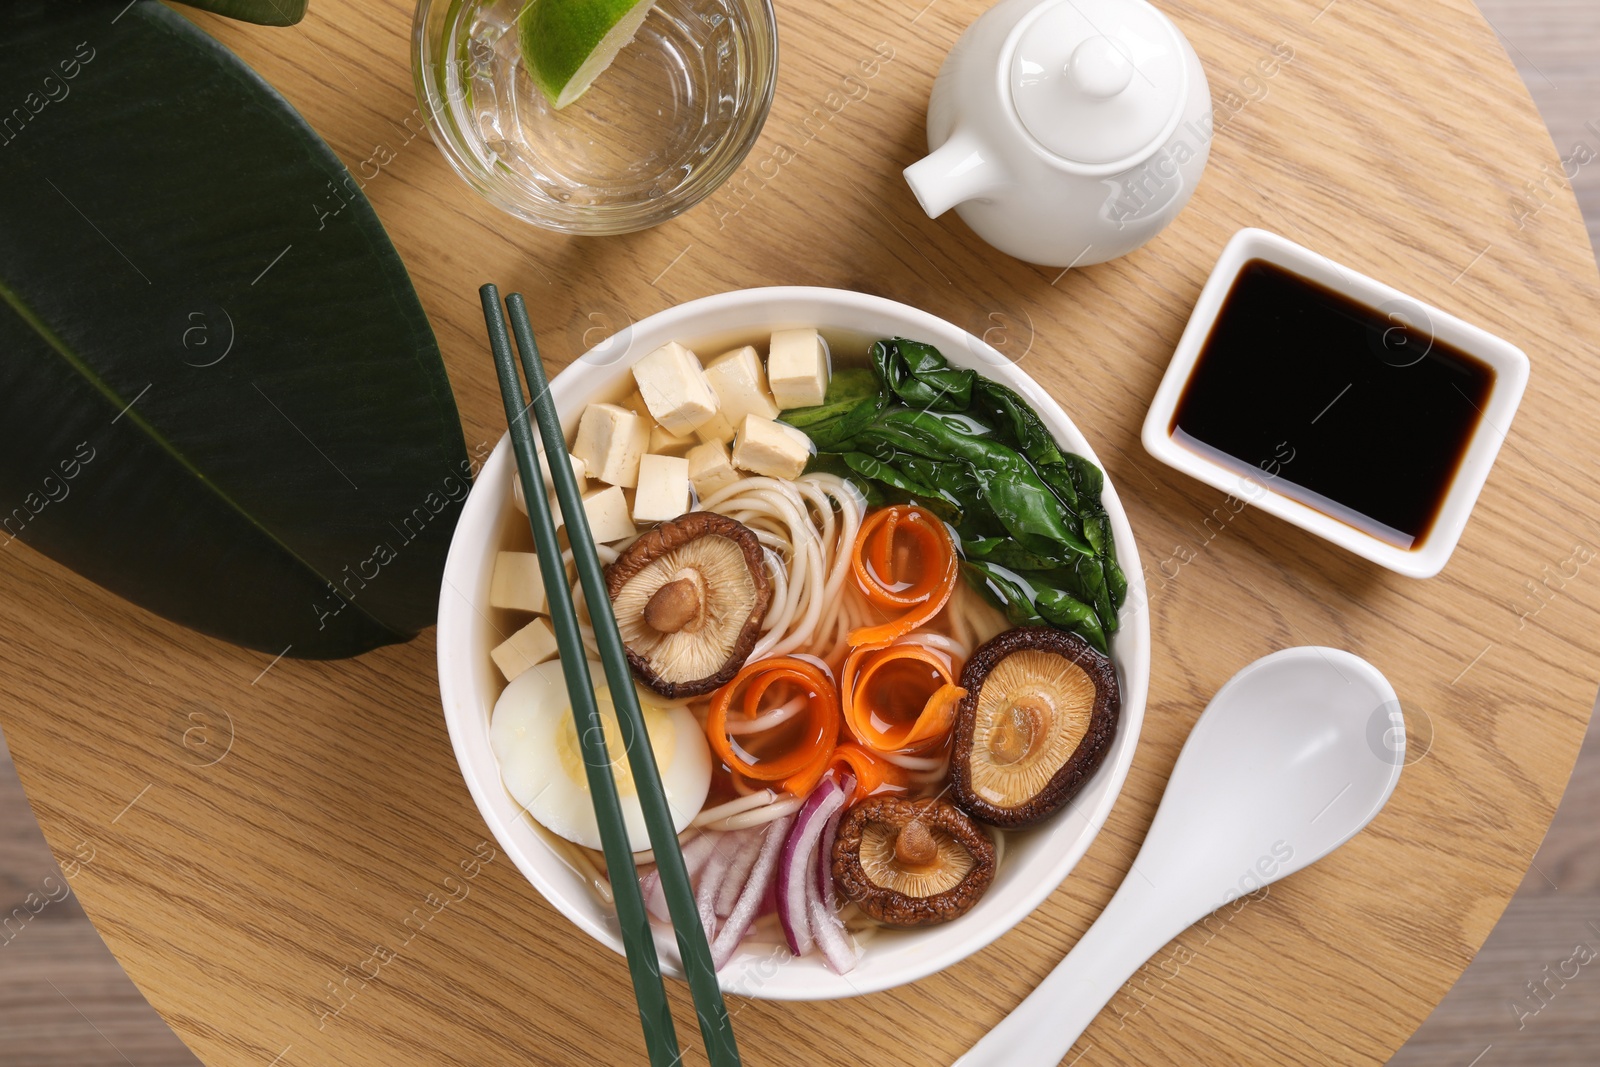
pixel 872 773
pixel 803 781
pixel 899 697
pixel 799 754
pixel 904 561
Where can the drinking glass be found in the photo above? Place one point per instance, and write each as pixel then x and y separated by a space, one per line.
pixel 656 133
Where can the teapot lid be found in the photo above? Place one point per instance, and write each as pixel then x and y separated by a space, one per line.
pixel 1098 82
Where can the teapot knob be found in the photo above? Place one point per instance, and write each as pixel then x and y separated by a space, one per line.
pixel 1099 67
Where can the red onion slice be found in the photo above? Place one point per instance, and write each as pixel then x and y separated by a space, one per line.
pixel 837 946
pixel 769 900
pixel 749 848
pixel 711 879
pixel 744 912
pixel 830 833
pixel 695 855
pixel 796 871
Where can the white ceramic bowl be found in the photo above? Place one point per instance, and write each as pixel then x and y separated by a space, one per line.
pixel 1035 861
pixel 1509 363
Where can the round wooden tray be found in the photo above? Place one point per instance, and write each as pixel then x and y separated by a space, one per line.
pixel 306 881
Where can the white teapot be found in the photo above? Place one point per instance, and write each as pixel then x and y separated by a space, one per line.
pixel 1066 132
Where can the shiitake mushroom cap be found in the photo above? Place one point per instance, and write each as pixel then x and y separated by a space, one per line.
pixel 911 862
pixel 1002 771
pixel 690 596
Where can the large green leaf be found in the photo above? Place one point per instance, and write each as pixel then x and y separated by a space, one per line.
pixel 265 12
pixel 219 396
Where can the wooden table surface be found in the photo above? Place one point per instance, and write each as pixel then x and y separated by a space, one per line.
pixel 283 855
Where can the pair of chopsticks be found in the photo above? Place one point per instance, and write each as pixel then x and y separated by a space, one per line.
pixel 654 1013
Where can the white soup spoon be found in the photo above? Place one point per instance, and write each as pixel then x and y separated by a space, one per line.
pixel 1292 757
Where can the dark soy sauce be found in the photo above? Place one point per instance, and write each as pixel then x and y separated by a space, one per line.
pixel 1356 411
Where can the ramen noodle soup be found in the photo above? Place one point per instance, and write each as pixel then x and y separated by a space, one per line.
pixel 867 608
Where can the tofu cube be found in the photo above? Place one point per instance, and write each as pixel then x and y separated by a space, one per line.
pixel 770 448
pixel 663 442
pixel 710 469
pixel 797 368
pixel 675 388
pixel 516 584
pixel 717 428
pixel 528 647
pixel 663 491
pixel 740 383
pixel 607 512
pixel 610 441
pixel 580 474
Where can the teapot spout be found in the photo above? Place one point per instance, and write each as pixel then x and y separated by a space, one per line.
pixel 957 171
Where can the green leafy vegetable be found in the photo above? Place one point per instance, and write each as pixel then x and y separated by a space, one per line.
pixel 1005 591
pixel 1006 553
pixel 920 377
pixel 1069 613
pixel 879 471
pixel 1018 497
pixel 852 402
pixel 1033 535
pixel 959 490
pixel 1085 476
pixel 1116 581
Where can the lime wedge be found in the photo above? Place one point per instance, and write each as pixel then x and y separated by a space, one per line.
pixel 568 43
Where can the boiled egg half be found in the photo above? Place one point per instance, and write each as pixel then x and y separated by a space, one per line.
pixel 541 763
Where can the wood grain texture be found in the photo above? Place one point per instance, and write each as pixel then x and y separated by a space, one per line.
pixel 64 1002
pixel 1552 43
pixel 244 875
pixel 1491 1015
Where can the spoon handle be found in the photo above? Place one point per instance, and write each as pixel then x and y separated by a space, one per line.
pixel 1042 1029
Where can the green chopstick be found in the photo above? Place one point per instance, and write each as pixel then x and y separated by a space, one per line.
pixel 715 1027
pixel 655 1014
